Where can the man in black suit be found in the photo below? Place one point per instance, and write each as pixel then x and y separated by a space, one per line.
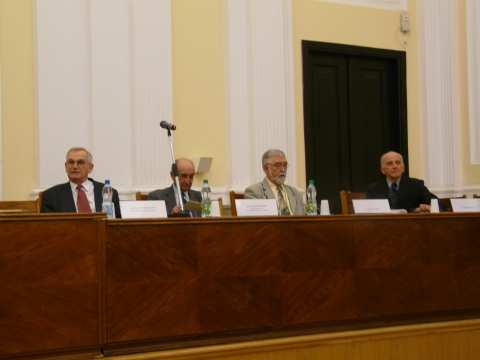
pixel 81 194
pixel 401 191
pixel 186 172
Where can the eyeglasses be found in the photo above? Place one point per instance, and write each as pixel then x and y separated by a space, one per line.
pixel 80 162
pixel 279 165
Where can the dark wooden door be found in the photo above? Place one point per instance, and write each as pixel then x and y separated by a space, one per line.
pixel 354 110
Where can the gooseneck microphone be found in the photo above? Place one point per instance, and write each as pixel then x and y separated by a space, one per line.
pixel 166 125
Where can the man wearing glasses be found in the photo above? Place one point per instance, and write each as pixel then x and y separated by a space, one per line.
pixel 81 194
pixel 289 199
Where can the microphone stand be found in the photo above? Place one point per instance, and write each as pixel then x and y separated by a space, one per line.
pixel 178 193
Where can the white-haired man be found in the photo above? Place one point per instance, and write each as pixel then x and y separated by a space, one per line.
pixel 289 199
pixel 81 194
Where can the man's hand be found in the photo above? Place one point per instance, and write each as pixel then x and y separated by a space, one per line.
pixel 423 208
pixel 176 209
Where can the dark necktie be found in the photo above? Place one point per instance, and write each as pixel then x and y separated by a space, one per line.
pixel 184 198
pixel 82 201
pixel 282 204
pixel 393 196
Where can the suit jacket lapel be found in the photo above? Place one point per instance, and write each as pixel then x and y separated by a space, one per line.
pixel 267 190
pixel 97 193
pixel 291 197
pixel 67 199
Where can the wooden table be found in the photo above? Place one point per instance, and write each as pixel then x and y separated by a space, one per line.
pixel 152 284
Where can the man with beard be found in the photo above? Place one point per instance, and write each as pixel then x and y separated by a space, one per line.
pixel 289 199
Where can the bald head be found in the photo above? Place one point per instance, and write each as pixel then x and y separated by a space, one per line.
pixel 392 166
pixel 186 172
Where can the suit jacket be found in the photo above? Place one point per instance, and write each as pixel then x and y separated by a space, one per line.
pixel 262 190
pixel 168 195
pixel 411 193
pixel 59 198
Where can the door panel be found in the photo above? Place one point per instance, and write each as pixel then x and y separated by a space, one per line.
pixel 354 110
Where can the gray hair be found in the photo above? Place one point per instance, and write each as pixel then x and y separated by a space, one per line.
pixel 389 152
pixel 75 149
pixel 271 153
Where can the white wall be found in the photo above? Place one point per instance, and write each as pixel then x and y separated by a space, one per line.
pixel 104 82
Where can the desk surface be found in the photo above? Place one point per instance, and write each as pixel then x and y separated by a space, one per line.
pixel 80 283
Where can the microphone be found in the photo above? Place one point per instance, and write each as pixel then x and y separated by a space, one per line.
pixel 166 125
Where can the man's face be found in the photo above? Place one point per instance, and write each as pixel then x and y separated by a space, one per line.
pixel 186 171
pixel 392 166
pixel 77 166
pixel 276 169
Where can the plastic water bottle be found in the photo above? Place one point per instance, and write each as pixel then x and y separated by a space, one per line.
pixel 107 204
pixel 311 204
pixel 206 202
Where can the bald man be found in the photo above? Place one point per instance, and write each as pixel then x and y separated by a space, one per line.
pixel 186 172
pixel 402 192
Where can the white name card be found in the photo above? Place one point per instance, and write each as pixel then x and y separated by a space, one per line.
pixel 371 206
pixel 143 209
pixel 465 205
pixel 256 207
pixel 215 209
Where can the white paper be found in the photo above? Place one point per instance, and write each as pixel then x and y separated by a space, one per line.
pixel 256 207
pixel 371 206
pixel 324 207
pixel 215 209
pixel 465 205
pixel 143 209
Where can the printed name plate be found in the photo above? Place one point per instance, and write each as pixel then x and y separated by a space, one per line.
pixel 465 205
pixel 371 206
pixel 215 209
pixel 143 209
pixel 256 207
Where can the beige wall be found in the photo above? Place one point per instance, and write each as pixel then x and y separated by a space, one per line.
pixel 471 173
pixel 18 99
pixel 199 84
pixel 199 81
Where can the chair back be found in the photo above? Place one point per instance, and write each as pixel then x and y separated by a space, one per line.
pixel 445 205
pixel 26 206
pixel 233 196
pixel 346 197
pixel 140 195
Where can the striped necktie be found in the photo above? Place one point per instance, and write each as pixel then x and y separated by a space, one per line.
pixel 282 203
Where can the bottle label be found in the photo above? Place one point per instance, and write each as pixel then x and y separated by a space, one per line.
pixel 108 208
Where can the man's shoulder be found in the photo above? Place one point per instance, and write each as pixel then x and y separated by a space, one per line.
pixel 376 184
pixel 257 185
pixel 160 193
pixel 254 188
pixel 56 188
pixel 413 181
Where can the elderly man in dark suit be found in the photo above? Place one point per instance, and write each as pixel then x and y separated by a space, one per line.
pixel 402 192
pixel 81 194
pixel 186 172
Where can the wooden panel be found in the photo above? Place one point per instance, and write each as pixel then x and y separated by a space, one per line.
pixel 180 280
pixel 50 276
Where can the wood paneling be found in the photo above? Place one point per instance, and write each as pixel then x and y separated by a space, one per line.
pixel 77 283
pixel 49 271
pixel 172 281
